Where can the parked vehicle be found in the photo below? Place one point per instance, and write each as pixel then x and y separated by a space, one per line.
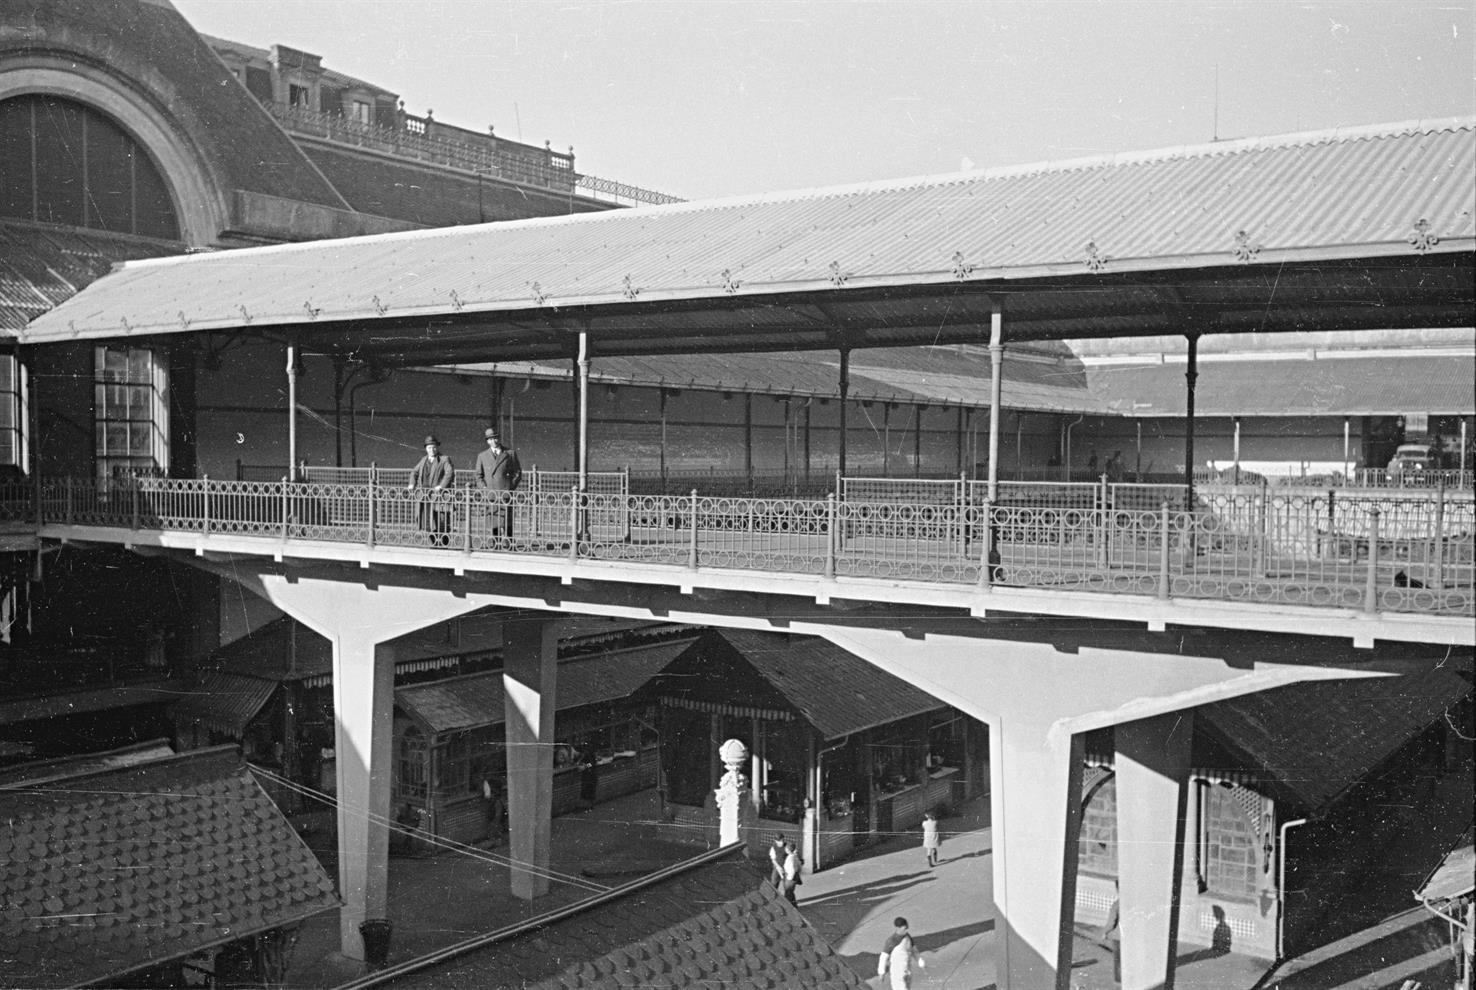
pixel 1412 460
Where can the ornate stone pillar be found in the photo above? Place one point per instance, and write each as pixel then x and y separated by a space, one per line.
pixel 735 810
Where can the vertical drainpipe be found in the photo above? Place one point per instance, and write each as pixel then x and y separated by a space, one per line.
pixel 1347 449
pixel 292 412
pixel 1191 375
pixel 583 408
pixel 996 388
pixel 845 391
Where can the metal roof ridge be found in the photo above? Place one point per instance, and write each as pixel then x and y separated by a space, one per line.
pixel 867 187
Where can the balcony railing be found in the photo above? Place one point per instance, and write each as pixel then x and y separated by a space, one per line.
pixel 492 157
pixel 1371 551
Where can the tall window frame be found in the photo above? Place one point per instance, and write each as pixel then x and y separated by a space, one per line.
pixel 14 406
pixel 130 411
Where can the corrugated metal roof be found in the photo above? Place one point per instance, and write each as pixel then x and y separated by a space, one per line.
pixel 41 265
pixel 224 702
pixel 1345 384
pixel 1355 193
pixel 1456 874
pixel 949 375
pixel 477 699
pixel 1317 738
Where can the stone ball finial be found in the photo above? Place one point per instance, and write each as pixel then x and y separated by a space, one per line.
pixel 733 753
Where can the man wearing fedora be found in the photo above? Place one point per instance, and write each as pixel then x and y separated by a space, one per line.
pixel 431 476
pixel 498 471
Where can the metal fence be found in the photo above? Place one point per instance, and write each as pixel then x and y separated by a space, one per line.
pixel 1373 550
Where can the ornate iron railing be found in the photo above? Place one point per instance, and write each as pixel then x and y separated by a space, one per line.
pixel 1373 551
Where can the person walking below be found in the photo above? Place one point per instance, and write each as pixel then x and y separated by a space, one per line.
pixel 430 478
pixel 792 879
pixel 777 853
pixel 1112 934
pixel 499 473
pixel 931 839
pixel 898 957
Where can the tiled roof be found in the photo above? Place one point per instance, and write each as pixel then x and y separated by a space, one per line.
pixel 835 691
pixel 224 702
pixel 1233 206
pixel 477 699
pixel 40 265
pixel 1315 739
pixel 104 873
pixel 706 924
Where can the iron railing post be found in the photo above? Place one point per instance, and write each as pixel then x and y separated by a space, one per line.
pixel 205 497
pixel 961 507
pixel 831 534
pixel 1437 575
pixel 692 550
pixel 1163 551
pixel 1371 588
pixel 70 510
pixel 286 510
pixel 986 548
pixel 373 486
pixel 1103 534
pixel 573 524
pixel 135 485
pixel 1262 521
pixel 466 546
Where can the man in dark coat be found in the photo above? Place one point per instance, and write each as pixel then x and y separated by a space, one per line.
pixel 498 471
pixel 430 478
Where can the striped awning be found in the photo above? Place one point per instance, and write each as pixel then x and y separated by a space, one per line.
pixel 724 708
pixel 224 703
pixel 402 667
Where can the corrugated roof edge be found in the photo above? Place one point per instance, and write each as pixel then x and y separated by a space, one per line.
pixel 1216 148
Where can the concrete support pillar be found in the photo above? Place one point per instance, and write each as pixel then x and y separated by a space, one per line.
pixel 1152 795
pixel 529 668
pixel 363 702
pixel 1035 783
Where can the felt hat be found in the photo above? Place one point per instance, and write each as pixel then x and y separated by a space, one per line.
pixel 430 438
pixel 490 434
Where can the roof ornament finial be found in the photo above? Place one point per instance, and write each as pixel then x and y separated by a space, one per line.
pixel 307 308
pixel 837 277
pixel 126 328
pixel 539 296
pixel 730 284
pixel 961 269
pixel 629 289
pixel 456 302
pixel 1422 239
pixel 379 307
pixel 245 316
pixel 1245 251
pixel 184 321
pixel 1096 261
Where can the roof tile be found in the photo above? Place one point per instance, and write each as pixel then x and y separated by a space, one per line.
pixel 177 903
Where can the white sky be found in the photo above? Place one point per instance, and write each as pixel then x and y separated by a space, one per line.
pixel 720 98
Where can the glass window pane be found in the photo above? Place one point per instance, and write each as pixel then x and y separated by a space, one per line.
pixel 141 439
